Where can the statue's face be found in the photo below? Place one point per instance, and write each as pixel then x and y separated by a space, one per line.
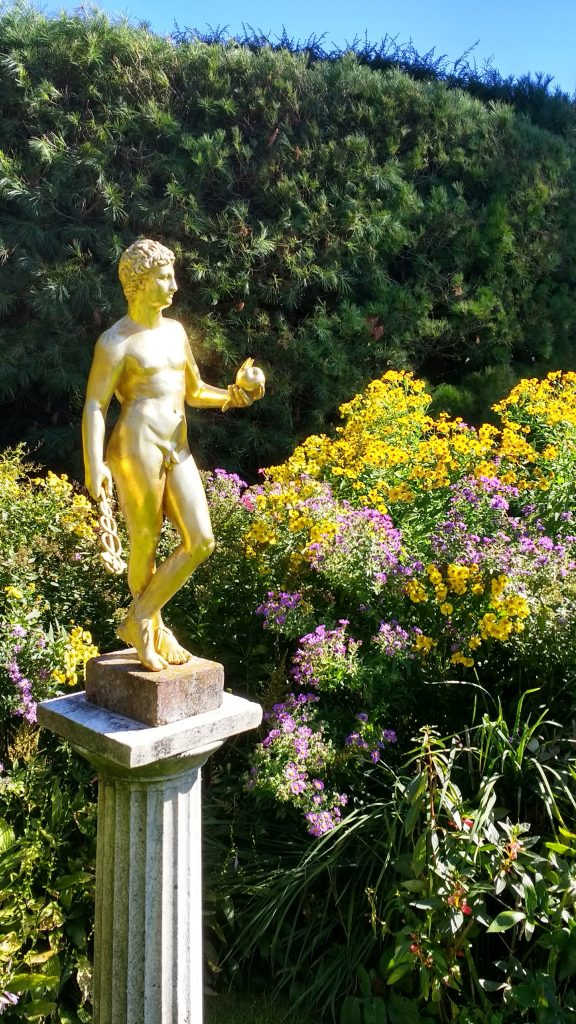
pixel 158 286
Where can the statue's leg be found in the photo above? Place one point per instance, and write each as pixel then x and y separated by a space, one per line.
pixel 186 506
pixel 140 483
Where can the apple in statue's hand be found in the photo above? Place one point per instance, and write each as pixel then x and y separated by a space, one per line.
pixel 251 379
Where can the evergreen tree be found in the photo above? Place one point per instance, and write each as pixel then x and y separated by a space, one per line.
pixel 330 218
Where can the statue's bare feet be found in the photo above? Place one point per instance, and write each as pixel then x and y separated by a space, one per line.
pixel 139 633
pixel 168 647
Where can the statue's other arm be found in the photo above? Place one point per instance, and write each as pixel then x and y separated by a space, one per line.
pixel 201 395
pixel 104 376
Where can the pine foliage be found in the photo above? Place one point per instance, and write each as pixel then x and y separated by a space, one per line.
pixel 331 217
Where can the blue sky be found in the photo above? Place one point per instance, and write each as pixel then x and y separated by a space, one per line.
pixel 518 36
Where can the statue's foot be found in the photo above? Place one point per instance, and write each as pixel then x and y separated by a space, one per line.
pixel 139 633
pixel 168 647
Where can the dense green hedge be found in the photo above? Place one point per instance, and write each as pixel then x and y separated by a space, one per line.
pixel 330 218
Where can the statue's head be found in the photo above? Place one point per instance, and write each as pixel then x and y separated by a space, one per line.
pixel 138 260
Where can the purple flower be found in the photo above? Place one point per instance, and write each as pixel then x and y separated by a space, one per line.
pixel 14 671
pixel 8 999
pixel 18 630
pixel 320 822
pixel 500 503
pixel 325 655
pixel 276 606
pixel 362 716
pixel 298 786
pixel 226 484
pixel 392 639
pixel 30 713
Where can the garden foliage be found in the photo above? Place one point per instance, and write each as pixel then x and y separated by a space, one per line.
pixel 330 216
pixel 398 842
pixel 414 581
pixel 52 593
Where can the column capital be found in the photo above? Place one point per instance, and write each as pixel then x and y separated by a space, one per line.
pixel 124 745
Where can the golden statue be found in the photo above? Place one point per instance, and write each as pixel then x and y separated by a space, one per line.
pixel 146 361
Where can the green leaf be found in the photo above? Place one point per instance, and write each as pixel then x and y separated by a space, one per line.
pixel 432 904
pixel 419 855
pixel 25 982
pixel 374 1011
pixel 403 1011
pixel 41 958
pixel 364 983
pixel 7 836
pixel 398 972
pixel 564 851
pixel 10 943
pixel 507 919
pixel 37 1008
pixel 350 1013
pixel 69 881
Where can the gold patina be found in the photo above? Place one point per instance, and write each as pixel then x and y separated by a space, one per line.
pixel 145 359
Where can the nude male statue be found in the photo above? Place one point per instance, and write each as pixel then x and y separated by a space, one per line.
pixel 145 359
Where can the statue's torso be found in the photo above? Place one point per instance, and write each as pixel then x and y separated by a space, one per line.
pixel 152 384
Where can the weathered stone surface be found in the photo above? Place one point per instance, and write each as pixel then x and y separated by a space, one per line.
pixel 118 681
pixel 130 744
pixel 148 926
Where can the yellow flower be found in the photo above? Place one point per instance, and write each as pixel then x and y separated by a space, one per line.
pixel 461 659
pixel 497 586
pixel 517 606
pixel 458 576
pixel 416 591
pixel 58 484
pixel 495 628
pixel 323 530
pixel 446 608
pixel 424 644
pixel 14 593
pixel 400 493
pixel 261 533
pixel 79 649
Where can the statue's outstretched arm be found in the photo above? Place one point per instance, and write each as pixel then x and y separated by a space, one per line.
pixel 104 376
pixel 242 393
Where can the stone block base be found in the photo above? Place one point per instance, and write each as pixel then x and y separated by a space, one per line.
pixel 118 682
pixel 148 926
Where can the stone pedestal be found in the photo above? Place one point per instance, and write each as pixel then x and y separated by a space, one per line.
pixel 148 935
pixel 118 681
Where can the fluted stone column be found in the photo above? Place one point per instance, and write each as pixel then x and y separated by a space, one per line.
pixel 148 925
